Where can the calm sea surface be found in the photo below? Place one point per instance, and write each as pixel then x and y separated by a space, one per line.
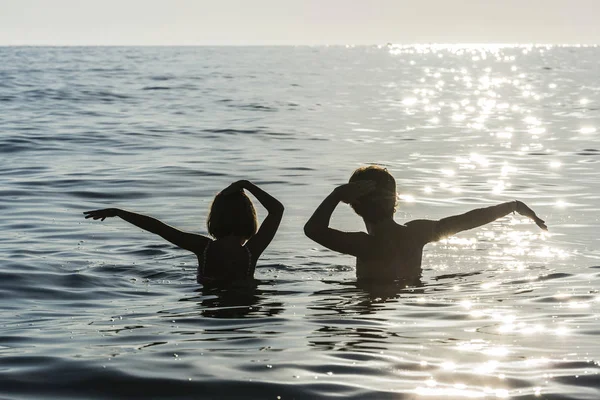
pixel 104 310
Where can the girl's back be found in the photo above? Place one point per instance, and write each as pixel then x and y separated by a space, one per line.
pixel 225 260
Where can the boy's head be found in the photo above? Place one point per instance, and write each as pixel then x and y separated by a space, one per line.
pixel 232 215
pixel 381 202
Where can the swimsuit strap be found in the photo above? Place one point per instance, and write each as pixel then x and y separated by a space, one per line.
pixel 249 272
pixel 204 255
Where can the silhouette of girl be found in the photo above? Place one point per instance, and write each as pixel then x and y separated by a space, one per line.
pixel 237 244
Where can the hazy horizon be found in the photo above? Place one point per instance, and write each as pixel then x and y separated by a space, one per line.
pixel 292 22
pixel 475 45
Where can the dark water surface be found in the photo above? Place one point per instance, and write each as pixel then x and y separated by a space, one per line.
pixel 105 310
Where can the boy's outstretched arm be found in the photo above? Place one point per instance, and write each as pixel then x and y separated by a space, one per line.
pixel 317 227
pixel 188 241
pixel 266 232
pixel 436 230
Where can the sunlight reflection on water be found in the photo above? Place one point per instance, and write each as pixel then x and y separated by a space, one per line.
pixel 503 311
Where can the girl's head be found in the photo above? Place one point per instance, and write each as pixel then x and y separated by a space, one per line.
pixel 232 215
pixel 381 202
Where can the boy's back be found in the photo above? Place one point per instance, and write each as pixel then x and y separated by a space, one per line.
pixel 392 253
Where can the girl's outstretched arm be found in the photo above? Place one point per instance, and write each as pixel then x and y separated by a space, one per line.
pixel 188 241
pixel 259 242
pixel 435 230
pixel 317 227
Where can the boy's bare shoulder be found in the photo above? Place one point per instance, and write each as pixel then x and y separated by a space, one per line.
pixel 424 229
pixel 420 223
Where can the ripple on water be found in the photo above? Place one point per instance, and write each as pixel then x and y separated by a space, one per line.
pixel 106 310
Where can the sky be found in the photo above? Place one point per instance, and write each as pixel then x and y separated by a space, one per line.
pixel 290 22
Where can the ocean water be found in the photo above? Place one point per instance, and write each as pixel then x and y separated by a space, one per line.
pixel 103 310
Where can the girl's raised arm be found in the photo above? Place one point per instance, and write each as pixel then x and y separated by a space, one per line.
pixel 188 241
pixel 259 242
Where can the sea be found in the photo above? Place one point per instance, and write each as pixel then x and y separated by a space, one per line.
pixel 105 310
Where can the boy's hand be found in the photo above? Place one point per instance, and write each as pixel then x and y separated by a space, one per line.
pixel 101 214
pixel 525 211
pixel 351 192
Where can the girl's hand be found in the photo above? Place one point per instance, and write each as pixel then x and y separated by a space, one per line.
pixel 351 192
pixel 101 214
pixel 525 211
pixel 235 187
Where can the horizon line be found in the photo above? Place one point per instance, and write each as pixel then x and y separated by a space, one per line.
pixel 388 44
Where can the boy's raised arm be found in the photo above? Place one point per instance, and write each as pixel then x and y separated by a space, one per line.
pixel 317 227
pixel 185 240
pixel 457 223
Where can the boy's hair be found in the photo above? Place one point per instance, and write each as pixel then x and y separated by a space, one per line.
pixel 232 215
pixel 381 202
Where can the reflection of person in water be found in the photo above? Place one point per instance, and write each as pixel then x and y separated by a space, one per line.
pixel 239 301
pixel 232 256
pixel 366 304
pixel 391 251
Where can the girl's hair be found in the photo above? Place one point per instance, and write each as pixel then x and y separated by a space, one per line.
pixel 232 215
pixel 381 202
